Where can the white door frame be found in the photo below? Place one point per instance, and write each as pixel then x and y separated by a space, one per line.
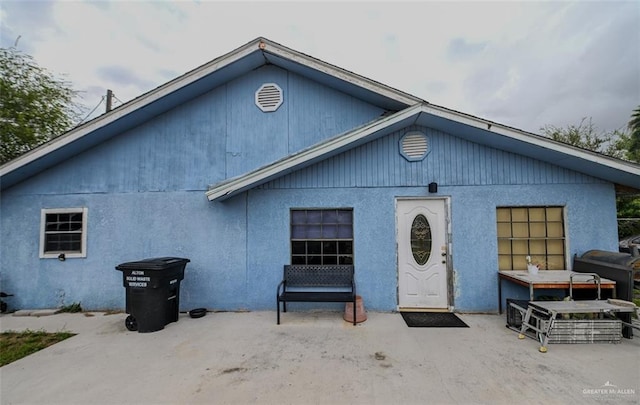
pixel 446 201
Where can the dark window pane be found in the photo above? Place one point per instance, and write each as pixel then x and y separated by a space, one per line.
pixel 346 260
pixel 330 259
pixel 314 247
pixel 330 247
pixel 345 247
pixel 298 260
pixel 298 248
pixel 63 242
pixel 52 222
pixel 314 260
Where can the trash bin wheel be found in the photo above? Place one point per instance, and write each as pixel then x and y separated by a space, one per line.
pixel 131 323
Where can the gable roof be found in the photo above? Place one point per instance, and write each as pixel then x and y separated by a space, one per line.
pixel 464 126
pixel 223 69
pixel 407 110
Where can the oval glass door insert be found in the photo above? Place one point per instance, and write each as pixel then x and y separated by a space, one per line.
pixel 420 239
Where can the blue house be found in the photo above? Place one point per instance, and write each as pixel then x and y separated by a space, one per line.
pixel 266 156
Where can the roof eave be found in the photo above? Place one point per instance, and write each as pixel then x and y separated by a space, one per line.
pixel 568 152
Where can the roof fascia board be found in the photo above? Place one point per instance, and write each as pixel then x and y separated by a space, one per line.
pixel 339 73
pixel 234 186
pixel 136 104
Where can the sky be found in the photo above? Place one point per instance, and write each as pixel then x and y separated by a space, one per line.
pixel 522 64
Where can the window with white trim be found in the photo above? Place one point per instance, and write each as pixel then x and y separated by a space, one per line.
pixel 63 231
pixel 537 232
pixel 322 236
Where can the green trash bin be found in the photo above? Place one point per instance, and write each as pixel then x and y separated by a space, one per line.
pixel 152 292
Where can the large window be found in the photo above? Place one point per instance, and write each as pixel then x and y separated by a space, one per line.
pixel 322 236
pixel 63 232
pixel 531 231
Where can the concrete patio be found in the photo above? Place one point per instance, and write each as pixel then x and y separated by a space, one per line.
pixel 311 358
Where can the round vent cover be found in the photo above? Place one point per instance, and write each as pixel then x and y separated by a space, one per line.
pixel 414 146
pixel 269 97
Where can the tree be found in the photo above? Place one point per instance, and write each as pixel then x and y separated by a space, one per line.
pixel 633 142
pixel 35 106
pixel 617 144
pixel 585 135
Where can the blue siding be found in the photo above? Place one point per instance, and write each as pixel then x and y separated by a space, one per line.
pixel 316 112
pixel 219 135
pixel 452 161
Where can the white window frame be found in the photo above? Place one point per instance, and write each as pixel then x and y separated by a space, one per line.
pixel 83 239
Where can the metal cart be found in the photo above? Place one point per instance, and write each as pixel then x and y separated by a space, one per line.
pixel 551 321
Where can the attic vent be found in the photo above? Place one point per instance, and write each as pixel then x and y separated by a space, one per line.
pixel 269 97
pixel 414 146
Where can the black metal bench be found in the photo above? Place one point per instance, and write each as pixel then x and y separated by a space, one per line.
pixel 305 283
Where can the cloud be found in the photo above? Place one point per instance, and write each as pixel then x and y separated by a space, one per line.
pixel 524 64
pixel 578 64
pixel 123 76
pixel 461 50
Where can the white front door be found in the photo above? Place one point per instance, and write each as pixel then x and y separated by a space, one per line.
pixel 422 253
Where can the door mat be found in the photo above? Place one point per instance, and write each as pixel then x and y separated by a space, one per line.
pixel 432 320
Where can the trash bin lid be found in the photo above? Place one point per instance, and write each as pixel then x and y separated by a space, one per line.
pixel 621 259
pixel 156 263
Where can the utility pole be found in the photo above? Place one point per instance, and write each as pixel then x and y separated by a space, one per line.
pixel 109 99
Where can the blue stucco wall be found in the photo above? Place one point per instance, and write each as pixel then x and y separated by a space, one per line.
pixel 144 191
pixel 473 225
pixel 123 228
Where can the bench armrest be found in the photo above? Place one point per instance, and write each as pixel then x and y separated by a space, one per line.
pixel 281 287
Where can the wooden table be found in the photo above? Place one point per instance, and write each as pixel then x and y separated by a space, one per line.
pixel 551 279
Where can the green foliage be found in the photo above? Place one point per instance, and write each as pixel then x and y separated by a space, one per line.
pixel 75 307
pixel 633 139
pixel 585 135
pixel 628 206
pixel 35 107
pixel 16 345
